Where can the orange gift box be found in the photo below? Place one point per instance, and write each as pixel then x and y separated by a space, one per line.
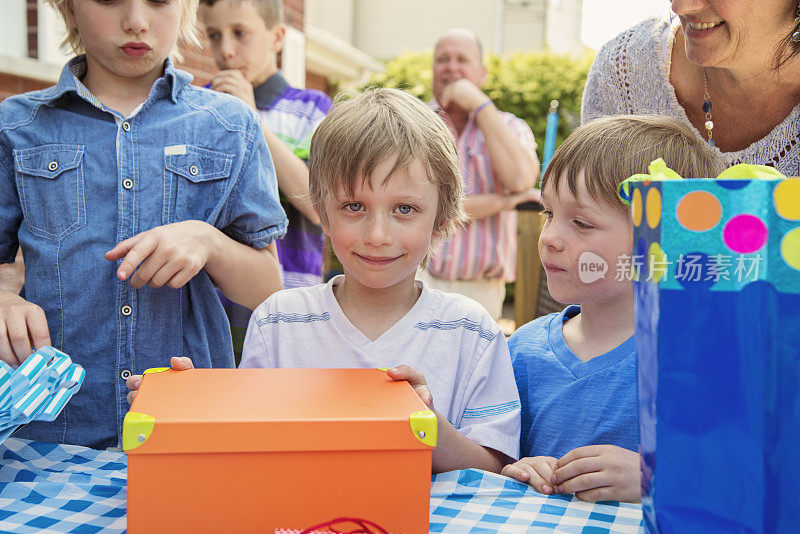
pixel 251 450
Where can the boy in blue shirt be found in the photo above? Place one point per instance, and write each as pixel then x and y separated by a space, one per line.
pixel 576 370
pixel 131 193
pixel 245 37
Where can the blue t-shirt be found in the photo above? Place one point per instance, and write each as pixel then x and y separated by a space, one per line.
pixel 76 178
pixel 568 403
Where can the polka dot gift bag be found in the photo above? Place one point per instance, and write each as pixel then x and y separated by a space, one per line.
pixel 716 272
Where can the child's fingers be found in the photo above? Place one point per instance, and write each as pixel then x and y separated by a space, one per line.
pixel 406 372
pixel 576 468
pixel 544 470
pixel 122 248
pixel 17 329
pixel 7 353
pixel 605 493
pixel 38 329
pixel 162 276
pixel 539 484
pixel 416 379
pixel 181 278
pixel 181 363
pixel 580 483
pixel 136 255
pixel 516 471
pixel 130 397
pixel 133 382
pixel 580 452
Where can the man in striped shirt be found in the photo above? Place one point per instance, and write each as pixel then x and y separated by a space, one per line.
pixel 499 167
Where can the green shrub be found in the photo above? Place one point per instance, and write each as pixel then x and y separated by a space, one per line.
pixel 522 83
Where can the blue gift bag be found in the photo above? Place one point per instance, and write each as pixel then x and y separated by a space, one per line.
pixel 716 270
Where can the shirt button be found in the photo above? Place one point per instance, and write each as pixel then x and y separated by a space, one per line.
pixel 193 170
pixel 126 310
pixel 53 165
pixel 126 126
pixel 127 183
pixel 125 374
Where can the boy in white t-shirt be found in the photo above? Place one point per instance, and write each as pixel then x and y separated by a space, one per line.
pixel 385 182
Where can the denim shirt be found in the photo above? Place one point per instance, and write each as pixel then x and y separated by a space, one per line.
pixel 76 178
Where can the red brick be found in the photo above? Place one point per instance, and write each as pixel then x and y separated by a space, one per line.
pixel 14 85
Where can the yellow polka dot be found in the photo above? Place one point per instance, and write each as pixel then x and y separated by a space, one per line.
pixel 636 207
pixel 786 196
pixel 790 248
pixel 657 262
pixel 653 207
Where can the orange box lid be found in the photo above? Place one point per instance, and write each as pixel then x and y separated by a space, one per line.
pixel 254 410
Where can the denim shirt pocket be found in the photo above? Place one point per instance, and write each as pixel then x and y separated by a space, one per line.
pixel 195 182
pixel 51 189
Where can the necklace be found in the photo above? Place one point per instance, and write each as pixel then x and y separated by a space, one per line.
pixel 707 109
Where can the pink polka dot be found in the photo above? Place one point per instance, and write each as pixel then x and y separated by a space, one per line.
pixel 745 234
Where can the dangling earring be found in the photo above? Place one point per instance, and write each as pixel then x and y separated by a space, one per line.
pixel 796 33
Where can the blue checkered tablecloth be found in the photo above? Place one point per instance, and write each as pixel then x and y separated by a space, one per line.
pixel 482 503
pixel 65 488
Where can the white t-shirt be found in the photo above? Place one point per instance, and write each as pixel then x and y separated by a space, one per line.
pixel 451 339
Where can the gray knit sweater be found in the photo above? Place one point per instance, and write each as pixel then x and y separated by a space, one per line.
pixel 630 75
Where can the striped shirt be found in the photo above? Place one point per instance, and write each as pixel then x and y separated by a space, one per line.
pixel 293 115
pixel 449 338
pixel 486 247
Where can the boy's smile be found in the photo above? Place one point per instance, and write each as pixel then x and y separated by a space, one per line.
pixel 384 230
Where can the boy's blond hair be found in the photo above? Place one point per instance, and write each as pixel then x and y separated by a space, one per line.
pixel 270 11
pixel 360 133
pixel 611 149
pixel 187 34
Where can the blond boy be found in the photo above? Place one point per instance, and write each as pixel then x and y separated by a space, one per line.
pixel 132 194
pixel 385 182
pixel 576 370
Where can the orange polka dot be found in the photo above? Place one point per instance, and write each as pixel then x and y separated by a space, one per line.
pixel 699 211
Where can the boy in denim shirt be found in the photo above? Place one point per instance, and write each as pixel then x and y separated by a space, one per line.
pixel 123 161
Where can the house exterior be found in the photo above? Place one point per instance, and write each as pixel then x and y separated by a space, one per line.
pixel 387 28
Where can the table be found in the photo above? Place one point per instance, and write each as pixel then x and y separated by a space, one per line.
pixel 65 488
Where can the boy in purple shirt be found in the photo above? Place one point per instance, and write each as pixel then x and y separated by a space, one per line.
pixel 245 38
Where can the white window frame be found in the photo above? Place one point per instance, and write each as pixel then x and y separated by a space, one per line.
pixel 293 57
pixel 14 29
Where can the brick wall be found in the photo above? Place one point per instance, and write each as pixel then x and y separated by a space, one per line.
pixel 14 85
pixel 317 81
pixel 293 13
pixel 199 62
pixel 32 15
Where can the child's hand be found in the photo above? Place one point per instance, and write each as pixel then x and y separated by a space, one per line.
pixel 536 471
pixel 176 363
pixel 416 379
pixel 233 82
pixel 599 473
pixel 22 326
pixel 168 255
